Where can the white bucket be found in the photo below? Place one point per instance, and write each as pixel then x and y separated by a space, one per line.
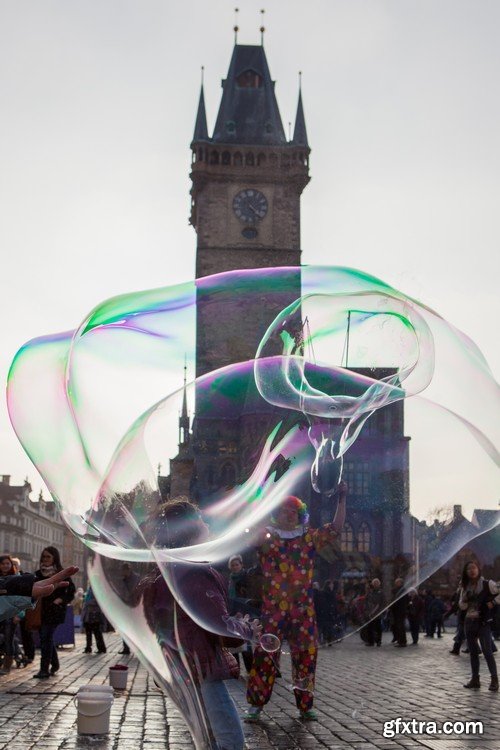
pixel 118 678
pixel 94 710
pixel 96 689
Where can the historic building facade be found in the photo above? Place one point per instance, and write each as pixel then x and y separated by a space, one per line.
pixel 27 526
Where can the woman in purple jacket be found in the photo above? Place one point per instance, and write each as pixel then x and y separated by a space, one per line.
pixel 198 647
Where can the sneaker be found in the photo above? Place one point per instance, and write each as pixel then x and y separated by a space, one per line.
pixel 308 715
pixel 253 714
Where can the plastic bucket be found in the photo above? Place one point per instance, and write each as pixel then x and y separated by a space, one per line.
pixel 118 677
pixel 94 710
pixel 107 689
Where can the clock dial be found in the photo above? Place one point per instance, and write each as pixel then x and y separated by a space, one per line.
pixel 250 206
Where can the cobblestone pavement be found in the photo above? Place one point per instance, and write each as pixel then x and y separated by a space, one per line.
pixel 358 689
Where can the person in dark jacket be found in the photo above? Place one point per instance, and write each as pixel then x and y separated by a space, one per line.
pixel 8 625
pixel 327 614
pixel 478 597
pixel 200 654
pixel 415 614
pixel 428 599
pixel 374 605
pixel 93 621
pixel 398 613
pixel 53 611
pixel 436 612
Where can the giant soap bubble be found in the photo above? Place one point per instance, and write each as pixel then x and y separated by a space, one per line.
pixel 313 368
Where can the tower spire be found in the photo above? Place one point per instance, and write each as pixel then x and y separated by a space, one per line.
pixel 236 28
pixel 300 132
pixel 200 128
pixel 262 27
pixel 184 417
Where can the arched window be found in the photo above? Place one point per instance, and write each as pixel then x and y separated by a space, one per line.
pixel 347 539
pixel 364 538
pixel 237 159
pixel 249 159
pixel 249 79
pixel 226 157
pixel 273 159
pixel 200 154
pixel 214 157
pixel 228 475
pixel 261 160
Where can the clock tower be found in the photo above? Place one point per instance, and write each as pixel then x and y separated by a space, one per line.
pixel 247 180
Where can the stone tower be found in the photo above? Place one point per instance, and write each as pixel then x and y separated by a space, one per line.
pixel 247 180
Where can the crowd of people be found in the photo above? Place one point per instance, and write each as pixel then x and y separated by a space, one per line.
pixel 275 598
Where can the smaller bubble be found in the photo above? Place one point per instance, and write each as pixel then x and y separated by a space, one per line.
pixel 270 643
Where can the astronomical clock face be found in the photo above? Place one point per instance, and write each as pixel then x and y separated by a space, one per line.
pixel 250 206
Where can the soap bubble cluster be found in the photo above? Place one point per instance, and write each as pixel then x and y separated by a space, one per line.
pixel 313 366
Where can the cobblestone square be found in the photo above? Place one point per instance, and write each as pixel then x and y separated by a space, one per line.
pixel 358 689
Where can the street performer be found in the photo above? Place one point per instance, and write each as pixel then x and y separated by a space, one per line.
pixel 286 551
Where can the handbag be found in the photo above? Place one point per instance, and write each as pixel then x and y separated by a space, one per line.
pixel 33 617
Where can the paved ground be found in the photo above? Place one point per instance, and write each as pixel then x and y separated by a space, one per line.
pixel 358 688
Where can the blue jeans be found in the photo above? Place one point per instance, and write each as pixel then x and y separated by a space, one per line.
pixel 223 716
pixel 477 631
pixel 48 650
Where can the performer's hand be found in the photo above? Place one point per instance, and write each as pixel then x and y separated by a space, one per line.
pixel 342 490
pixel 257 629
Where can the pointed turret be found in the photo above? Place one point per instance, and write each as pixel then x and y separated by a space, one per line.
pixel 200 128
pixel 299 131
pixel 249 112
pixel 184 416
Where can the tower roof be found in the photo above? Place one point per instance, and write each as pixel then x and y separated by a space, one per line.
pixel 200 128
pixel 299 131
pixel 248 112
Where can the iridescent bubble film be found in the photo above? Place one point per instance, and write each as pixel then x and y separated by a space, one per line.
pixel 297 379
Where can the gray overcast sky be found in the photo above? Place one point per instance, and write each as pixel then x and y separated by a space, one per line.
pixel 98 106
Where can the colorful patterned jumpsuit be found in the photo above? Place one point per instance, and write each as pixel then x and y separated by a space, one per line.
pixel 288 612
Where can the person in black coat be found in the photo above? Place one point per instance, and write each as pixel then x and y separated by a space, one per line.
pixel 398 613
pixel 53 611
pixel 327 611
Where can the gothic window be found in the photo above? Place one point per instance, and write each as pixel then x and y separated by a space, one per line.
pixel 285 160
pixel 249 159
pixel 231 126
pixel 269 127
pixel 226 157
pixel 273 159
pixel 347 539
pixel 357 476
pixel 249 79
pixel 238 159
pixel 214 157
pixel 228 475
pixel 364 538
pixel 200 154
pixel 261 159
